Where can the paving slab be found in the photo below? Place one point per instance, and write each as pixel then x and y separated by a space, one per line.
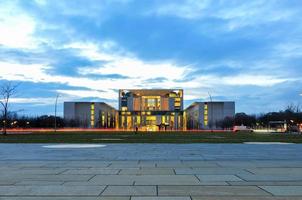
pixel 166 180
pixel 248 177
pixel 211 171
pixel 277 171
pixel 148 171
pixel 51 190
pixel 91 171
pixel 243 198
pixel 64 198
pixel 283 190
pixel 209 178
pixel 130 190
pixel 113 180
pixel 160 198
pixel 269 183
pixel 211 190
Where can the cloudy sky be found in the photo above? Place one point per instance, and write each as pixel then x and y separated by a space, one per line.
pixel 246 51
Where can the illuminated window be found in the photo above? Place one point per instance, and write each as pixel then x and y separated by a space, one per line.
pixel 92 115
pixel 177 104
pixel 163 119
pixel 143 113
pixel 148 113
pixel 124 108
pixel 138 120
pixel 103 119
pixel 205 114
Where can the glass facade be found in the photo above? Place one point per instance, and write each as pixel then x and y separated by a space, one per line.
pixel 151 110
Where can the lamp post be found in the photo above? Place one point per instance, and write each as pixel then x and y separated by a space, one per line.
pixel 211 122
pixel 56 103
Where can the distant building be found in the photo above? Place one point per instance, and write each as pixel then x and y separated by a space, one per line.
pixel 207 115
pixel 148 110
pixel 90 114
pixel 151 109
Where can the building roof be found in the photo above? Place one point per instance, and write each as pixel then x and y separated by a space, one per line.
pixel 201 102
pixel 142 92
pixel 91 102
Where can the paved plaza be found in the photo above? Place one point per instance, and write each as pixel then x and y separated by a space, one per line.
pixel 151 172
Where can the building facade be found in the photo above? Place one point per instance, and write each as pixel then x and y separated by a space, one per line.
pixel 208 115
pixel 148 110
pixel 151 109
pixel 90 114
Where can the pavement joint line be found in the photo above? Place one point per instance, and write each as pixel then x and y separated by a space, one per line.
pixel 119 171
pixel 265 190
pixel 249 171
pixel 197 178
pixel 240 177
pixel 91 177
pixel 103 190
pixel 156 190
pixel 62 172
pixel 228 182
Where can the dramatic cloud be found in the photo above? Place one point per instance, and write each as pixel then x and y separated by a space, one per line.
pixel 249 52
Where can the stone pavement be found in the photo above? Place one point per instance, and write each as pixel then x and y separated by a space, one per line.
pixel 151 172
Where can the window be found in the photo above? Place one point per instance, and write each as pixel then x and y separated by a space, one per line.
pixel 92 114
pixel 205 108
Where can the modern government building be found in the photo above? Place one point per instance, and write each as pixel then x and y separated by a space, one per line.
pixel 148 110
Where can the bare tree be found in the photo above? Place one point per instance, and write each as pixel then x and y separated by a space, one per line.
pixel 7 90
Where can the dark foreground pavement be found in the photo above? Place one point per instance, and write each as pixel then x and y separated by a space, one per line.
pixel 151 171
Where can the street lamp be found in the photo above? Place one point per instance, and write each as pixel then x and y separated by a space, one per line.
pixel 56 103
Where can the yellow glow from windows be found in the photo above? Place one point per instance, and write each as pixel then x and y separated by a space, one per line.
pixel 148 113
pixel 128 113
pixel 103 120
pixel 138 120
pixel 92 114
pixel 124 108
pixel 163 119
pixel 143 113
pixel 151 118
pixel 205 114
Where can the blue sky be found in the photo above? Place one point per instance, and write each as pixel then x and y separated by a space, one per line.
pixel 246 51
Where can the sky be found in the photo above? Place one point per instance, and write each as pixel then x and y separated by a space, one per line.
pixel 249 52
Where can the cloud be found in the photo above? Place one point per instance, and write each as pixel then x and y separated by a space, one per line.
pixel 236 14
pixel 83 50
pixel 16 28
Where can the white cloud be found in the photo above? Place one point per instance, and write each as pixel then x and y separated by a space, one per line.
pixel 126 64
pixel 33 101
pixel 256 80
pixel 235 13
pixel 16 28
